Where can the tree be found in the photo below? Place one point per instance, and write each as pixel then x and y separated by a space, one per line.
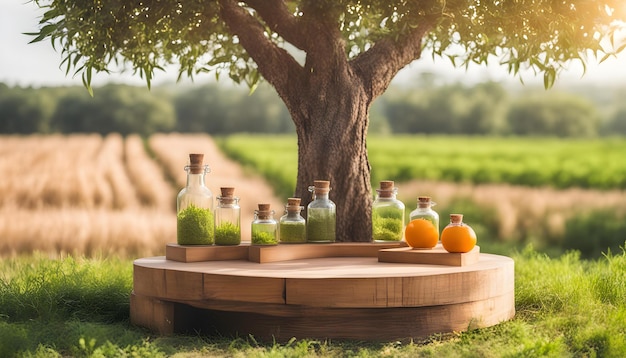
pixel 327 59
pixel 559 114
pixel 118 108
pixel 616 124
pixel 24 111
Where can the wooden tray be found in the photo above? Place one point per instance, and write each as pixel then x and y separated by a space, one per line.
pixel 435 256
pixel 275 253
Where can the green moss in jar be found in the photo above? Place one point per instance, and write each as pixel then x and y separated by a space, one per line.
pixel 320 226
pixel 195 226
pixel 227 234
pixel 263 238
pixel 387 224
pixel 292 232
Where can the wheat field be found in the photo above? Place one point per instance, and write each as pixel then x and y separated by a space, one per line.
pixel 82 194
pixel 93 195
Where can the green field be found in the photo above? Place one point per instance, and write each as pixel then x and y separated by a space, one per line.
pixel 556 162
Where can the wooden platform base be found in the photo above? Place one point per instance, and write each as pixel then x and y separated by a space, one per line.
pixel 322 298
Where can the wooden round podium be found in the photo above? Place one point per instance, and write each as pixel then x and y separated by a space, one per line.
pixel 374 292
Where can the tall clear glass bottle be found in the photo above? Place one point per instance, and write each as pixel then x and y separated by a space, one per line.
pixel 321 214
pixel 292 226
pixel 194 206
pixel 264 227
pixel 227 218
pixel 425 210
pixel 387 214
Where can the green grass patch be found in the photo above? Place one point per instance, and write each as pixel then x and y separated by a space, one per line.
pixel 566 306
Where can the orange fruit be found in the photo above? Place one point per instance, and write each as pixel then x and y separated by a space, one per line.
pixel 421 234
pixel 458 238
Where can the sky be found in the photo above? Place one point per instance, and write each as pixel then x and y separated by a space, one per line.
pixel 23 64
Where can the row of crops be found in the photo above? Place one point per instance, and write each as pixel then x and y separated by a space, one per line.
pixel 555 162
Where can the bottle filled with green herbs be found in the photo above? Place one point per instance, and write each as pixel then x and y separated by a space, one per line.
pixel 264 226
pixel 292 226
pixel 387 214
pixel 321 214
pixel 425 210
pixel 227 218
pixel 194 206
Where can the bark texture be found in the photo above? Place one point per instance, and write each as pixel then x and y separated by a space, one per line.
pixel 328 97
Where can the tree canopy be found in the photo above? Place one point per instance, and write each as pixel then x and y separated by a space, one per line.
pixel 204 36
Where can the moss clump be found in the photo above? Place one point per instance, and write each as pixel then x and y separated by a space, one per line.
pixel 387 224
pixel 292 232
pixel 320 226
pixel 227 234
pixel 195 226
pixel 260 237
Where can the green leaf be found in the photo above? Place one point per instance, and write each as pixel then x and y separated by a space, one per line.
pixel 605 57
pixel 44 32
pixel 87 80
pixel 549 76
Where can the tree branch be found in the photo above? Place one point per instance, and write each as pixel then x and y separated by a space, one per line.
pixel 276 65
pixel 276 15
pixel 380 64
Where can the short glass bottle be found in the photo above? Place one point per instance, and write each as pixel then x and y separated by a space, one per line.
pixel 264 227
pixel 292 226
pixel 227 218
pixel 424 210
pixel 194 206
pixel 457 236
pixel 387 214
pixel 321 214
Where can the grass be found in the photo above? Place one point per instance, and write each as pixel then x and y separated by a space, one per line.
pixel 70 306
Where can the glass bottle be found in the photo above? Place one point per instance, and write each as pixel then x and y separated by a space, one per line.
pixel 264 227
pixel 387 214
pixel 424 210
pixel 194 206
pixel 292 227
pixel 321 214
pixel 457 236
pixel 227 218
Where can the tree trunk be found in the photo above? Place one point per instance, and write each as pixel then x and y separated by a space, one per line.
pixel 335 149
pixel 328 97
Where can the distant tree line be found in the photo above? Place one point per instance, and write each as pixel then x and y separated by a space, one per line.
pixel 481 109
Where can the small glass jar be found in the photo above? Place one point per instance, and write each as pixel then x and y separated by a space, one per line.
pixel 227 218
pixel 194 206
pixel 424 210
pixel 457 236
pixel 264 227
pixel 292 226
pixel 321 214
pixel 387 214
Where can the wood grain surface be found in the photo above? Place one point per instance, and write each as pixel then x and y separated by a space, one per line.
pixel 349 295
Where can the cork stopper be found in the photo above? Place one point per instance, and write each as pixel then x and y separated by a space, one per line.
pixel 195 163
pixel 293 204
pixel 386 189
pixel 264 211
pixel 227 195
pixel 456 218
pixel 424 202
pixel 321 184
pixel 320 187
pixel 227 191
